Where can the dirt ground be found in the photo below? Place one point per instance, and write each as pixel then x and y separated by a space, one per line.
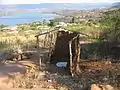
pixel 8 70
pixel 23 75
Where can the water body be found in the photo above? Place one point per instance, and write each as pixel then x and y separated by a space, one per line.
pixel 37 16
pixel 25 18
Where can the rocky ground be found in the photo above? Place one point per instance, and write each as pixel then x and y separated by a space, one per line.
pixel 24 75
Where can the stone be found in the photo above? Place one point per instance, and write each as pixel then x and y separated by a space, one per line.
pixel 109 87
pixel 101 87
pixel 108 62
pixel 95 87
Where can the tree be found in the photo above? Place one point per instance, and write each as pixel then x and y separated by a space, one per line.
pixel 2 25
pixel 111 26
pixel 44 22
pixel 73 20
pixel 52 23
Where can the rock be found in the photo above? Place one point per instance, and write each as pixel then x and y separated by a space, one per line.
pixel 109 87
pixel 19 51
pixel 108 62
pixel 40 75
pixel 8 56
pixel 101 87
pixel 95 87
pixel 105 79
pixel 50 81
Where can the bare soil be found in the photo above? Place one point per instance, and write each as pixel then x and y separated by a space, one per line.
pixel 24 75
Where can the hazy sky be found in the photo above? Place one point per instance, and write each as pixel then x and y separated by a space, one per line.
pixel 52 1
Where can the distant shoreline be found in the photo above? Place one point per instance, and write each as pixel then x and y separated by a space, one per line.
pixel 26 17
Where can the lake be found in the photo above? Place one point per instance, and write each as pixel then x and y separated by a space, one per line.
pixel 37 16
pixel 26 17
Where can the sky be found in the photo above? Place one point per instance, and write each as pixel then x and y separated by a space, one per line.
pixel 53 1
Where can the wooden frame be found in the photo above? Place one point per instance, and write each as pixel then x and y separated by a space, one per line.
pixel 74 61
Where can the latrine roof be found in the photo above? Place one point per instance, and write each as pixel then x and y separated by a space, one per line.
pixel 61 29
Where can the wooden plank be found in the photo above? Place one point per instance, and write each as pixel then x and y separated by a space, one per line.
pixel 78 57
pixel 47 32
pixel 63 29
pixel 71 64
pixel 74 61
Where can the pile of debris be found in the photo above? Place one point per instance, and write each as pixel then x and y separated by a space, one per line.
pixel 14 56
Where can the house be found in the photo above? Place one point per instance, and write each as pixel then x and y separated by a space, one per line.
pixel 13 32
pixel 10 28
pixel 61 24
pixel 43 27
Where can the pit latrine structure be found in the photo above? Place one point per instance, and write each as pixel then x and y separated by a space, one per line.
pixel 61 45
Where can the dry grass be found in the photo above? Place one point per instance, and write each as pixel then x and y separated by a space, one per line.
pixel 21 40
pixel 33 79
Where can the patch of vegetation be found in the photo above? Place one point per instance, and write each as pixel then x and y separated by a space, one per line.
pixel 111 26
pixel 12 42
pixel 52 23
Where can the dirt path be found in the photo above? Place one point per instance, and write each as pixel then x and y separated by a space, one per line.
pixel 6 70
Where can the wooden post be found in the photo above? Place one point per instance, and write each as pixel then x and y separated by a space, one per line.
pixel 45 40
pixel 78 48
pixel 71 65
pixel 78 55
pixel 50 45
pixel 38 51
pixel 75 54
pixel 74 61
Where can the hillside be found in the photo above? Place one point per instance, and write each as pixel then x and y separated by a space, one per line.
pixel 116 5
pixel 55 6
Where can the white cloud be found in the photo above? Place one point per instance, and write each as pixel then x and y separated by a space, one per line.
pixel 52 1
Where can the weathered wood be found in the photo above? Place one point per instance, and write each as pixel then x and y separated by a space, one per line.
pixel 74 60
pixel 37 42
pixel 57 29
pixel 74 48
pixel 75 55
pixel 71 61
pixel 50 47
pixel 46 32
pixel 78 55
pixel 52 43
pixel 74 38
pixel 78 59
pixel 38 51
pixel 45 40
